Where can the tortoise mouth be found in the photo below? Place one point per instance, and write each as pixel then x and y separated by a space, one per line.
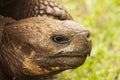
pixel 70 54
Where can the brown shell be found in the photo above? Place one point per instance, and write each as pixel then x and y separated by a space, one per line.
pixel 19 9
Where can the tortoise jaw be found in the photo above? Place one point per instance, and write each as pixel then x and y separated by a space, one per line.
pixel 62 61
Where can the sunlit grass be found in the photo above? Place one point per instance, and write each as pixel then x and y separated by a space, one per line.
pixel 102 18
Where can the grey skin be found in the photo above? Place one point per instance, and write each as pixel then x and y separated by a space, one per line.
pixel 36 46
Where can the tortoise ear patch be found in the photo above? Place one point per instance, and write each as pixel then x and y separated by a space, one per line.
pixel 29 67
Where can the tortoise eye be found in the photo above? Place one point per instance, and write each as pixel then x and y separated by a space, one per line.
pixel 60 39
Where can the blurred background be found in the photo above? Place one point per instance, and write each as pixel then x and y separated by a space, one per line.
pixel 102 18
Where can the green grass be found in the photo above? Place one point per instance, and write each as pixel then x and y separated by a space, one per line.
pixel 102 18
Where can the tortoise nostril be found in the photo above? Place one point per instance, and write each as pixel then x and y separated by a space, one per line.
pixel 60 39
pixel 88 35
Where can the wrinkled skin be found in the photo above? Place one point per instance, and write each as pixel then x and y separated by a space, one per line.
pixel 37 47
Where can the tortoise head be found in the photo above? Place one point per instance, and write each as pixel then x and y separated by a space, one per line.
pixel 41 46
